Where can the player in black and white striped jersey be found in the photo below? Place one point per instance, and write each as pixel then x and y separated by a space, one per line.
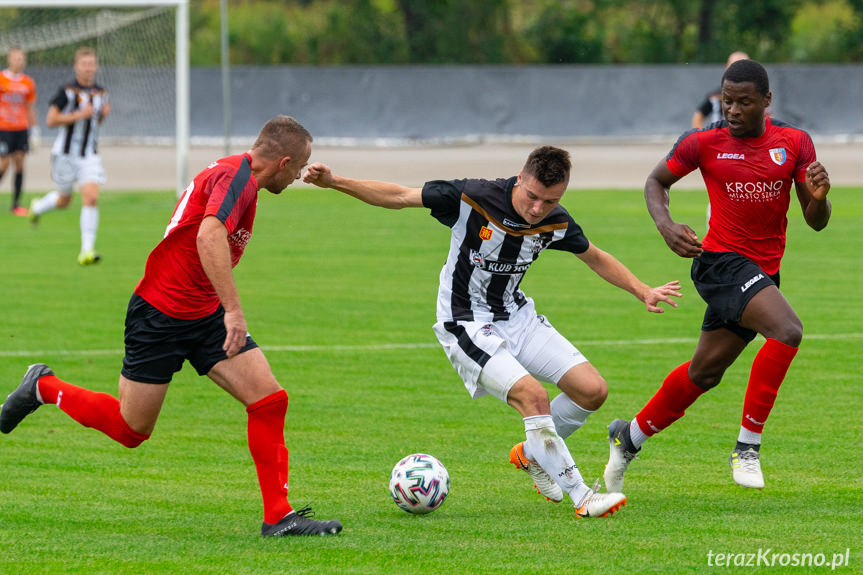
pixel 489 328
pixel 78 108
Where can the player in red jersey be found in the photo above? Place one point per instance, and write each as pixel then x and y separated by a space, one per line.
pixel 748 163
pixel 186 307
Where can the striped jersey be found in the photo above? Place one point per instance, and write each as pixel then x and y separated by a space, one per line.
pixel 17 94
pixel 749 183
pixel 491 247
pixel 78 139
pixel 174 280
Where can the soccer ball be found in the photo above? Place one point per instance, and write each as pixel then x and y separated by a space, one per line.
pixel 419 483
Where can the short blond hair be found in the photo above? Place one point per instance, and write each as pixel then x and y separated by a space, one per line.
pixel 281 136
pixel 83 52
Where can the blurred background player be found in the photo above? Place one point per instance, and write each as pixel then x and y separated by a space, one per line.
pixel 490 330
pixel 749 163
pixel 78 108
pixel 186 307
pixel 710 109
pixel 17 118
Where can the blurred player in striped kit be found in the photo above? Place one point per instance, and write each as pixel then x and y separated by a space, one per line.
pixel 78 109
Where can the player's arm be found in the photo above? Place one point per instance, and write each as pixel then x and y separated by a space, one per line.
pixel 812 194
pixel 697 120
pixel 215 254
pixel 614 272
pixel 376 193
pixel 680 238
pixel 56 118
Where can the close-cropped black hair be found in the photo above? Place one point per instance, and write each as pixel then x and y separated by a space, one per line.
pixel 748 71
pixel 549 165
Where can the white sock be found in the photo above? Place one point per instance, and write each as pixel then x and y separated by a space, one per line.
pixel 46 203
pixel 545 446
pixel 747 436
pixel 567 415
pixel 637 436
pixel 89 225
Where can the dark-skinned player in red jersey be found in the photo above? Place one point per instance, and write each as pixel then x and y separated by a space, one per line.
pixel 186 307
pixel 748 162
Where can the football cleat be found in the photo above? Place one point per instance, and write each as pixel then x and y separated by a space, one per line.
pixel 595 504
pixel 88 258
pixel 24 400
pixel 542 481
pixel 746 468
pixel 300 522
pixel 621 453
pixel 34 217
pixel 20 211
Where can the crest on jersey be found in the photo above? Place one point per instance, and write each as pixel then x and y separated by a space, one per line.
pixel 485 233
pixel 778 156
pixel 476 258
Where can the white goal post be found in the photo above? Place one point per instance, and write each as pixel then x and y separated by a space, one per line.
pixel 181 88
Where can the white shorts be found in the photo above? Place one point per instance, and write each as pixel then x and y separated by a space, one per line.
pixel 66 170
pixel 491 356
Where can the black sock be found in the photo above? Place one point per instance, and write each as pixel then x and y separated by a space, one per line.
pixel 744 446
pixel 16 190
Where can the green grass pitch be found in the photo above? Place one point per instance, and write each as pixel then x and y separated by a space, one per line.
pixel 341 296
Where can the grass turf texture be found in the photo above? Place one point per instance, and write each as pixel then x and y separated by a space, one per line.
pixel 323 270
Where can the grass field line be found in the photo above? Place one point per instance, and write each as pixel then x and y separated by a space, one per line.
pixel 407 345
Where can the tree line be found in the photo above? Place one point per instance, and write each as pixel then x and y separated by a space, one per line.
pixel 343 32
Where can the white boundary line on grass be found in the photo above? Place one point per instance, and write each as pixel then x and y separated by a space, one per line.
pixel 395 346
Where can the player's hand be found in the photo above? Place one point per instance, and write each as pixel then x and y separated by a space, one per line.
pixel 235 326
pixel 104 111
pixel 817 180
pixel 681 239
pixel 319 174
pixel 86 112
pixel 663 293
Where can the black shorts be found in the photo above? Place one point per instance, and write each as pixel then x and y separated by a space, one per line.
pixel 157 344
pixel 14 141
pixel 727 281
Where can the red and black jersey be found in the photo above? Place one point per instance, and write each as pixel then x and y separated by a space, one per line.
pixel 749 183
pixel 174 281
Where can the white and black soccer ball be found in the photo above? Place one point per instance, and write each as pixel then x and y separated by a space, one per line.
pixel 419 483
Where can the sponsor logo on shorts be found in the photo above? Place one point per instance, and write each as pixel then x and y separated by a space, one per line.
pixel 728 156
pixel 487 329
pixel 485 233
pixel 778 156
pixel 748 284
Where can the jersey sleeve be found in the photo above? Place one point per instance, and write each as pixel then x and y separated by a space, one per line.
pixel 31 95
pixel 60 99
pixel 805 156
pixel 573 240
pixel 443 198
pixel 226 200
pixel 684 157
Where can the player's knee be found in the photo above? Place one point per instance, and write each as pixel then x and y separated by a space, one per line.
pixel 705 378
pixel 595 393
pixel 792 333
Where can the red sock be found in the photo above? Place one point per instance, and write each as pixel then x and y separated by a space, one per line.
pixel 768 370
pixel 669 403
pixel 266 432
pixel 100 411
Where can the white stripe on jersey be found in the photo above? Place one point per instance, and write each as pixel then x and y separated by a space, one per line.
pixel 486 264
